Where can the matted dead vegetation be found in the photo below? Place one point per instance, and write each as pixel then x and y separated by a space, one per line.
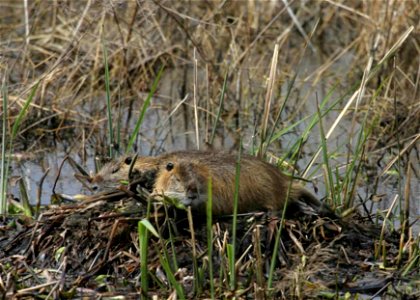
pixel 91 249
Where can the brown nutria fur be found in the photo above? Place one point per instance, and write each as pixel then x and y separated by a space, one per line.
pixel 261 185
pixel 115 172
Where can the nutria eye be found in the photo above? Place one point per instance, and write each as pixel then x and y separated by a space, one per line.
pixel 169 166
pixel 128 160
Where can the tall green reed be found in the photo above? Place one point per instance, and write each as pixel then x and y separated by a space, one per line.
pixel 144 227
pixel 15 130
pixel 146 104
pixel 231 248
pixel 209 224
pixel 4 164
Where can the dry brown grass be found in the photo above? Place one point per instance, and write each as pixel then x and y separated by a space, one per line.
pixel 60 42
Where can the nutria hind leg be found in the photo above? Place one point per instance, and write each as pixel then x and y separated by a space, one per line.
pixel 305 202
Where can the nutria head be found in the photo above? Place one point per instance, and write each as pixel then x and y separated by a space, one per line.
pixel 116 172
pixel 183 181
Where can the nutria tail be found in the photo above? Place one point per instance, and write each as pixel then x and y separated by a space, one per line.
pixel 308 204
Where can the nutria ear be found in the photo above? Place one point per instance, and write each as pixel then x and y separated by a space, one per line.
pixel 128 160
pixel 169 166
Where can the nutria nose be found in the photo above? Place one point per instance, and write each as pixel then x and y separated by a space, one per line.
pixel 192 190
pixel 191 195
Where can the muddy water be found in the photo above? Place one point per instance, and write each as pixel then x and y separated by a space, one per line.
pixel 170 127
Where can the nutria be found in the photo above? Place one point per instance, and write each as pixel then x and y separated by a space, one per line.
pixel 262 186
pixel 144 168
pixel 116 172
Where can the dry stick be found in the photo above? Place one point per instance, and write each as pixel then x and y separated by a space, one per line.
pixel 407 198
pixel 417 83
pixel 195 100
pixel 60 282
pixel 194 250
pixel 318 72
pixel 257 38
pixel 268 97
pixel 25 5
pixel 163 125
pixel 381 237
pixel 259 273
pixel 298 25
pixel 392 145
pixel 405 212
pixel 351 10
pixel 25 49
pixel 207 119
pixel 356 93
pixel 406 148
pixel 39 192
pixel 174 15
pixel 110 239
pixel 34 288
pixel 59 173
pixel 35 228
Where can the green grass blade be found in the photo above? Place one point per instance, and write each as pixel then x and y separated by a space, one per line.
pixel 4 164
pixel 209 205
pixel 149 226
pixel 234 220
pixel 146 104
pixel 197 284
pixel 230 250
pixel 330 183
pixel 360 148
pixel 22 112
pixel 26 206
pixel 143 245
pixel 15 130
pixel 278 235
pixel 171 276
